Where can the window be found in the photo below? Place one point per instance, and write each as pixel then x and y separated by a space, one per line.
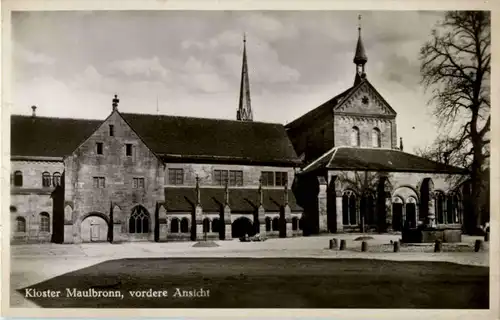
pixel 174 225
pixel 376 138
pixel 233 177
pixel 439 207
pixel 206 225
pixel 44 222
pixel 270 178
pixel 175 176
pixel 20 224
pixel 99 147
pixel 18 179
pixel 138 183
pixel 184 225
pixel 349 210
pixel 99 182
pixel 236 178
pixel 215 225
pixel 276 224
pixel 281 178
pixel 128 149
pixel 268 224
pixel 56 177
pixel 139 220
pixel 355 138
pixel 46 179
pixel 111 130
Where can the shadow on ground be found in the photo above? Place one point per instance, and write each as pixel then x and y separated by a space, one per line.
pixel 271 283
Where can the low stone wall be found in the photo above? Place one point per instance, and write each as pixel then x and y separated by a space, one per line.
pixel 431 235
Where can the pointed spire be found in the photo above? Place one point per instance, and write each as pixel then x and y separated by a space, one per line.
pixel 226 190
pixel 198 199
pixel 286 194
pixel 261 193
pixel 360 58
pixel 244 112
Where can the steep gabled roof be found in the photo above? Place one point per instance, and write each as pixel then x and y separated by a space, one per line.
pixel 319 111
pixel 182 138
pixel 48 137
pixel 377 159
pixel 175 137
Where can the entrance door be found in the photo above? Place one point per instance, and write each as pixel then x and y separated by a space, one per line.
pixel 94 229
pixel 94 232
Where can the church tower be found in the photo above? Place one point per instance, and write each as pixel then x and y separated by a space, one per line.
pixel 244 112
pixel 360 58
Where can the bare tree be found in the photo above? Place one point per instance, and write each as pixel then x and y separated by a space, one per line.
pixel 455 66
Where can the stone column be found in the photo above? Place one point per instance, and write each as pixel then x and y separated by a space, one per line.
pixel 388 211
pixel 228 235
pixel 338 212
pixel 261 215
pixel 322 210
pixel 198 213
pixel 162 224
pixel 288 220
pixel 431 212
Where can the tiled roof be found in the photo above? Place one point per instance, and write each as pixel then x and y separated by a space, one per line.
pixel 179 199
pixel 170 137
pixel 48 137
pixel 377 159
pixel 214 139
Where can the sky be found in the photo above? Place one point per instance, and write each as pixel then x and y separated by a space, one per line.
pixel 188 63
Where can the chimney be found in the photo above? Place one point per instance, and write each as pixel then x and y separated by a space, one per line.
pixel 33 114
pixel 115 102
pixel 401 143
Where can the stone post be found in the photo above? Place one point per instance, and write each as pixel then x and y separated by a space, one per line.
pixel 338 209
pixel 322 210
pixel 261 212
pixel 227 223
pixel 431 212
pixel 163 227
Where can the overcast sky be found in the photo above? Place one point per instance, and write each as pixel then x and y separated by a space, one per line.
pixel 70 64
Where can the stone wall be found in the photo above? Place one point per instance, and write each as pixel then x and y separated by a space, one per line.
pixel 344 124
pixel 31 199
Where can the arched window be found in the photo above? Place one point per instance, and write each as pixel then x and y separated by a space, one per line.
pixel 18 179
pixel 206 225
pixel 376 138
pixel 174 225
pixel 139 220
pixel 367 209
pixel 295 221
pixel 20 224
pixel 440 207
pixel 46 179
pixel 268 224
pixel 276 224
pixel 44 222
pixel 453 208
pixel 184 225
pixel 215 225
pixel 349 214
pixel 355 138
pixel 56 179
pixel 457 212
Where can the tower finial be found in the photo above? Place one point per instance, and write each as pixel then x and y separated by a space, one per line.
pixel 359 24
pixel 244 112
pixel 115 102
pixel 360 57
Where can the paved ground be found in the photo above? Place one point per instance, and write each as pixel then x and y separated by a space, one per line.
pixel 31 264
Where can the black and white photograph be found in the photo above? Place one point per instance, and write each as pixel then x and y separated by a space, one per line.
pixel 248 159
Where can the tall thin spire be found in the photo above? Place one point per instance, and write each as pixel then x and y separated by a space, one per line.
pixel 360 58
pixel 244 112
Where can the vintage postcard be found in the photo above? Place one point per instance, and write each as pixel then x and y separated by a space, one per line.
pixel 298 159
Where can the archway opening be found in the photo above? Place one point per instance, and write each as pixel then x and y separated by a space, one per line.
pixel 241 227
pixel 94 229
pixel 397 214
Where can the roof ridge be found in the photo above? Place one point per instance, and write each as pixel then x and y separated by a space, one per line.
pixel 192 117
pixel 58 118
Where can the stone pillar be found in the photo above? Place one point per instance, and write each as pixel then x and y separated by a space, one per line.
pixel 228 235
pixel 431 212
pixel 322 210
pixel 288 221
pixel 338 212
pixel 261 215
pixel 162 224
pixel 198 213
pixel 388 211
